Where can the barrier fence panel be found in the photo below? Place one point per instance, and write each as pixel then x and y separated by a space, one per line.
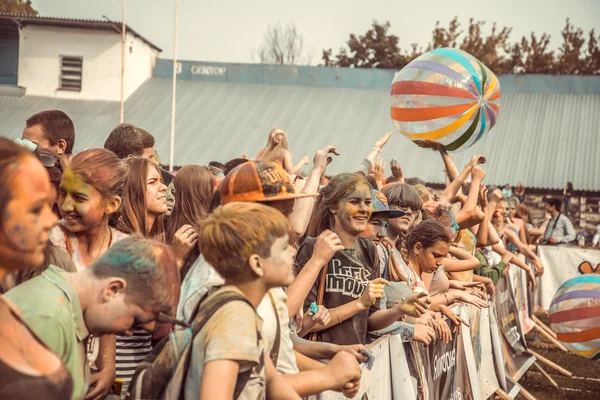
pixel 490 354
pixel 376 383
pixel 513 345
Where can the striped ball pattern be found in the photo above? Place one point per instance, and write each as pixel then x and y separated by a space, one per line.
pixel 575 315
pixel 447 96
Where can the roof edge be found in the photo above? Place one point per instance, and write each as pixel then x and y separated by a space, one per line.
pixel 76 23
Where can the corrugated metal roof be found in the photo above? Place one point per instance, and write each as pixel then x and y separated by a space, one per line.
pixel 541 140
pixel 22 19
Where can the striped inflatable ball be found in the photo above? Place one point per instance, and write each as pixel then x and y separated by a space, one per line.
pixel 447 96
pixel 575 315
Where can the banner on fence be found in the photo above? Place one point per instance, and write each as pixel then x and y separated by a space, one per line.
pixel 513 345
pixel 375 383
pixel 561 264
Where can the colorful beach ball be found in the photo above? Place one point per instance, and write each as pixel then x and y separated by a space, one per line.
pixel 575 315
pixel 447 96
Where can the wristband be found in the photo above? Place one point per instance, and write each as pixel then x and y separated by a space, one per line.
pixel 338 316
pixel 377 149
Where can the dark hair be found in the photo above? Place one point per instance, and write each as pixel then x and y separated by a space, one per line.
pixel 414 181
pixel 148 267
pixel 570 186
pixel 554 202
pixel 339 186
pixel 55 166
pixel 10 156
pixel 428 233
pixel 166 176
pixel 127 139
pixel 56 125
pixel 217 164
pixel 231 164
pixel 403 195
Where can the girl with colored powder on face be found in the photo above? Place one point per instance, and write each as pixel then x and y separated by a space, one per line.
pixel 352 286
pixel 28 369
pixel 278 151
pixel 91 190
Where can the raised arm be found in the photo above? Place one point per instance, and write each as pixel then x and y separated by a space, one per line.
pixel 290 167
pixel 327 244
pixel 376 150
pixel 300 217
pixel 468 210
pixel 463 262
pixel 452 189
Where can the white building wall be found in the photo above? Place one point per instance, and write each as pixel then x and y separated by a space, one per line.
pixel 140 61
pixel 40 49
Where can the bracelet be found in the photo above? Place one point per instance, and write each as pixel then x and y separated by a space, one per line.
pixel 447 301
pixel 338 316
pixel 377 149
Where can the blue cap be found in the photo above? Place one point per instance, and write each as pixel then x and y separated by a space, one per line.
pixel 380 205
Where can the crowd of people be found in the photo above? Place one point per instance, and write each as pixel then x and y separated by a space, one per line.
pixel 272 280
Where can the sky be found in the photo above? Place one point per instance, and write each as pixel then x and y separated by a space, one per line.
pixel 229 30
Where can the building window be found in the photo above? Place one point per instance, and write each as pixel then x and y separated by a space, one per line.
pixel 71 71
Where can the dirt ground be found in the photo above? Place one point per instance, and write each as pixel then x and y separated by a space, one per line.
pixel 583 385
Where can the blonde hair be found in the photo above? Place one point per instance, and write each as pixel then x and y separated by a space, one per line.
pixel 236 231
pixel 424 193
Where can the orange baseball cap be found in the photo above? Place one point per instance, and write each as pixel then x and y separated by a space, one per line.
pixel 258 181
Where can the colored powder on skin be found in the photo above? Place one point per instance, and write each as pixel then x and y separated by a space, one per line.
pixel 72 182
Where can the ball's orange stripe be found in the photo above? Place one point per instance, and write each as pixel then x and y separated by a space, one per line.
pixel 440 133
pixel 576 337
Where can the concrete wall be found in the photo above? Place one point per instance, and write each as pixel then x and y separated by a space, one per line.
pixel 40 49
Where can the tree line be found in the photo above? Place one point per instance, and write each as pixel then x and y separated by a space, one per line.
pixel 378 48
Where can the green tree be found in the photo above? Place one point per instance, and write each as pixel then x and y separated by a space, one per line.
pixel 375 49
pixel 17 7
pixel 378 48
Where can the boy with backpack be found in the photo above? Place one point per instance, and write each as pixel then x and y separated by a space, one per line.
pixel 247 244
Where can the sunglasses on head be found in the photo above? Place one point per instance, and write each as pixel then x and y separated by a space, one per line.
pixel 48 160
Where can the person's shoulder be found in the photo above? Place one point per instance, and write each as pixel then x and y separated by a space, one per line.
pixel 49 300
pixel 234 316
pixel 57 236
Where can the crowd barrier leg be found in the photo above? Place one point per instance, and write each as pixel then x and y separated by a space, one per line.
pixel 544 326
pixel 550 363
pixel 552 381
pixel 550 338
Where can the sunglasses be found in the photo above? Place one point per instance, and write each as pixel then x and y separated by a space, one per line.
pixel 406 210
pixel 48 160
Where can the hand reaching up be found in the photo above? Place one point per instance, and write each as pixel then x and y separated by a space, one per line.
pixel 397 171
pixel 429 144
pixel 323 159
pixel 383 141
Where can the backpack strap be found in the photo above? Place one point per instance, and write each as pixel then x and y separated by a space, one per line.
pixel 274 355
pixel 320 294
pixel 203 313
